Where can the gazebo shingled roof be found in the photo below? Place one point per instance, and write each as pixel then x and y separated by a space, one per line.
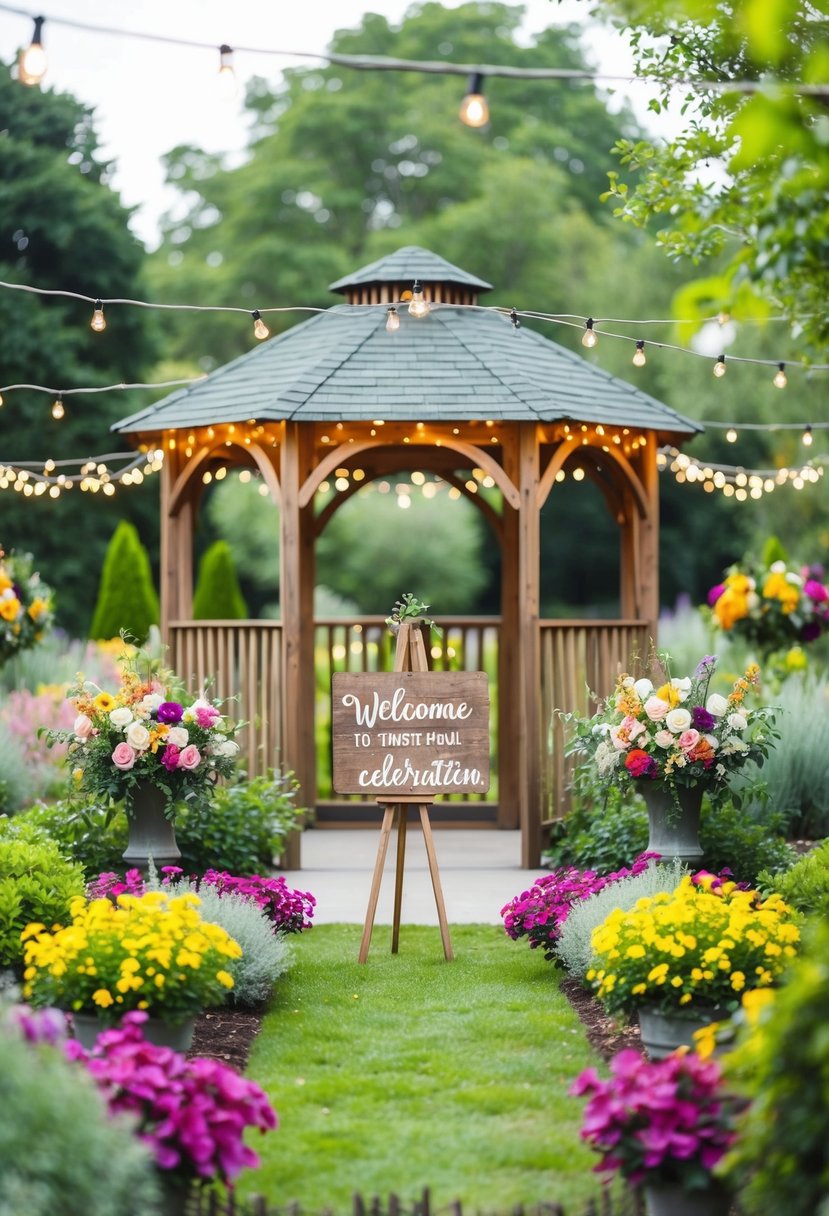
pixel 457 392
pixel 457 363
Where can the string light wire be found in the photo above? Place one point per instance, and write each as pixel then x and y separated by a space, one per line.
pixel 383 63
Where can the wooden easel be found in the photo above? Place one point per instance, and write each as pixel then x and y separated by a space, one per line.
pixel 410 655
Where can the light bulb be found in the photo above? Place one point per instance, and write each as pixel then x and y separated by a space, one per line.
pixel 392 319
pixel 228 83
pixel 260 329
pixel 780 380
pixel 31 66
pixel 1 398
pixel 639 357
pixel 719 367
pixel 418 306
pixel 589 338
pixel 806 437
pixel 58 410
pixel 474 111
pixel 513 316
pixel 731 435
pixel 99 321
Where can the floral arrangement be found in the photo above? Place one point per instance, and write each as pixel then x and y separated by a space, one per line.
pixel 539 913
pixel 191 1113
pixel 663 1121
pixel 25 605
pixel 677 733
pixel 289 910
pixel 773 604
pixel 148 730
pixel 150 952
pixel 702 945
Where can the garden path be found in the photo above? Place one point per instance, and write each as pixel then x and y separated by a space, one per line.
pixel 479 873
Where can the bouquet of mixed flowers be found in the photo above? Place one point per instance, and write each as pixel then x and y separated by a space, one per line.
pixel 702 945
pixel 676 733
pixel 773 604
pixel 659 1122
pixel 148 730
pixel 25 605
pixel 151 952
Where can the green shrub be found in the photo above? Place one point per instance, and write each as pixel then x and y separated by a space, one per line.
pixel 573 945
pixel 60 1152
pixel 245 828
pixel 218 595
pixel 127 598
pixel 730 840
pixel 782 1154
pixel 806 885
pixel 265 954
pixel 91 838
pixel 36 884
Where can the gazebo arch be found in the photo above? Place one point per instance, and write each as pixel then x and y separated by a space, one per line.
pixel 467 390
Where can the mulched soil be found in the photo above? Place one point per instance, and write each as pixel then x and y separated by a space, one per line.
pixel 227 1034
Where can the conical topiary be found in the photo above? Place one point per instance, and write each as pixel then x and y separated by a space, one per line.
pixel 218 596
pixel 127 598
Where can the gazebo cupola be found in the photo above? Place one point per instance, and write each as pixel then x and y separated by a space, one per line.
pixel 457 392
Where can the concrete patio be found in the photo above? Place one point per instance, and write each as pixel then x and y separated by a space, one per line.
pixel 479 873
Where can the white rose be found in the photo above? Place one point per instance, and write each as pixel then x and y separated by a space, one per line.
pixel 152 700
pixel 683 687
pixel 643 689
pixel 737 721
pixel 138 736
pixel 228 748
pixel 656 709
pixel 677 721
pixel 664 738
pixel 628 682
pixel 734 746
pixel 178 736
pixel 716 705
pixel 712 741
pixel 778 567
pixel 121 716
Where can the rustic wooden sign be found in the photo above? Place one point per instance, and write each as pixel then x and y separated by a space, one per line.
pixel 410 732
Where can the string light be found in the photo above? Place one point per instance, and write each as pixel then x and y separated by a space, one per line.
pixel 31 66
pixel 392 319
pixel 513 316
pixel 589 338
pixel 780 380
pixel 98 322
pixel 260 329
pixel 639 358
pixel 474 110
pixel 227 75
pixel 418 305
pixel 734 480
pixel 731 435
pixel 719 367
pixel 58 409
pixel 806 438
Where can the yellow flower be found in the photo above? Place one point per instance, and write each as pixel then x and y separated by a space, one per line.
pixel 225 978
pixel 738 981
pixel 102 997
pixel 634 951
pixel 104 702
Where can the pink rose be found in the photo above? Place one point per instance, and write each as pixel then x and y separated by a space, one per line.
pixel 656 709
pixel 189 757
pixel 207 716
pixel 124 756
pixel 82 727
pixel 688 740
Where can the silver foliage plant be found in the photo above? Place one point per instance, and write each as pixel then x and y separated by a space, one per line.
pixel 573 945
pixel 265 955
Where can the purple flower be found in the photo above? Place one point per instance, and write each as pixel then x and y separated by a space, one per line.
pixel 169 712
pixel 715 593
pixel 707 663
pixel 702 720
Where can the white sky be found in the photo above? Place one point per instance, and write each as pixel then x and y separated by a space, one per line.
pixel 149 97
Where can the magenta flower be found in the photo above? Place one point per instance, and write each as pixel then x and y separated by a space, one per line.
pixel 658 1121
pixel 169 712
pixel 170 756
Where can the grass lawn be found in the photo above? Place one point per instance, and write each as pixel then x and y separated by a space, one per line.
pixel 410 1072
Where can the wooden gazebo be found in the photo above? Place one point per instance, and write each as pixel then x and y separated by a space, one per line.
pixel 456 392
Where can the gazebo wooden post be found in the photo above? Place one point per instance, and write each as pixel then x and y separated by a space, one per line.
pixel 296 595
pixel 648 564
pixel 176 551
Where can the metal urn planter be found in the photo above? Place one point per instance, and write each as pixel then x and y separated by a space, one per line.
pixel 177 1035
pixel 151 833
pixel 672 1200
pixel 663 1033
pixel 673 832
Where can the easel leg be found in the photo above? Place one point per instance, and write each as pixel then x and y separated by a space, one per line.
pixel 402 816
pixel 382 847
pixel 436 887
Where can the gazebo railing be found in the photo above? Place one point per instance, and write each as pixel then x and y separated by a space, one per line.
pixel 579 661
pixel 243 659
